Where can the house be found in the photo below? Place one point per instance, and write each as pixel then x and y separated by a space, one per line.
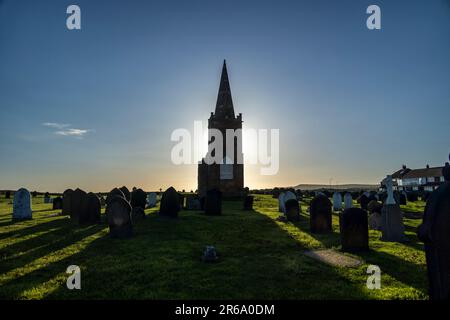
pixel 424 179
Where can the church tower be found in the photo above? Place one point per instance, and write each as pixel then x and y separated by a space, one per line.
pixel 227 177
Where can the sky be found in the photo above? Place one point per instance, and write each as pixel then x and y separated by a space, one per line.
pixel 95 108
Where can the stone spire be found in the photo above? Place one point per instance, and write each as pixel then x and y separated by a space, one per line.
pixel 224 105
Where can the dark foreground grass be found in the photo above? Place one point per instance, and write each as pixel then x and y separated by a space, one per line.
pixel 259 258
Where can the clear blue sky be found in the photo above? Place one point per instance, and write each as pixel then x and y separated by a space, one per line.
pixel 351 104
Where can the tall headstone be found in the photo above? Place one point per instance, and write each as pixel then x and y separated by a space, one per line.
pixel 170 203
pixel 91 215
pixel 434 232
pixel 320 215
pixel 151 199
pixel 118 212
pixel 57 203
pixel 78 206
pixel 248 202
pixel 354 230
pixel 67 202
pixel 213 203
pixel 392 226
pixel 126 193
pixel 348 201
pixel 138 198
pixel 292 210
pixel 337 201
pixel 22 205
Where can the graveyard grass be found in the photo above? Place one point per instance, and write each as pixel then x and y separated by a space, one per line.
pixel 260 258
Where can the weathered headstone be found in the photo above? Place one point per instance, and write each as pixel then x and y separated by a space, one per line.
pixel 67 202
pixel 213 202
pixel 22 205
pixel 248 202
pixel 193 202
pixel 292 210
pixel 151 199
pixel 170 203
pixel 57 203
pixel 320 214
pixel 392 227
pixel 337 201
pixel 348 201
pixel 78 206
pixel 354 230
pixel 114 192
pixel 126 193
pixel 118 211
pixel 434 232
pixel 281 202
pixel 91 215
pixel 138 198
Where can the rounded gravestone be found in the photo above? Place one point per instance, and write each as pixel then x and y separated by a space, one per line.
pixel 114 192
pixel 213 202
pixel 348 201
pixel 78 206
pixel 118 211
pixel 126 193
pixel 57 203
pixel 363 201
pixel 281 202
pixel 320 214
pixel 170 203
pixel 151 199
pixel 192 202
pixel 138 198
pixel 22 205
pixel 248 202
pixel 337 201
pixel 434 232
pixel 67 202
pixel 354 230
pixel 93 210
pixel 292 210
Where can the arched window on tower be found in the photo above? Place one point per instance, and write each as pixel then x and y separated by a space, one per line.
pixel 226 169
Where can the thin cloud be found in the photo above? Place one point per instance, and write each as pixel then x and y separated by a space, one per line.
pixel 64 130
pixel 56 125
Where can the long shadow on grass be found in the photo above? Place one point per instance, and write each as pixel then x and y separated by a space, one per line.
pixel 38 227
pixel 162 261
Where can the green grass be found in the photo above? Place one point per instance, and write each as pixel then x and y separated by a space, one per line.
pixel 260 258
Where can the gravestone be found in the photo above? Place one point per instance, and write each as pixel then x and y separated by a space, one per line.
pixel 8 195
pixel 22 205
pixel 320 215
pixel 114 192
pixel 102 200
pixel 151 199
pixel 126 193
pixel 57 203
pixel 374 208
pixel 47 197
pixel 213 202
pixel 354 230
pixel 402 198
pixel 281 202
pixel 181 197
pixel 292 210
pixel 91 215
pixel 434 232
pixel 248 202
pixel 170 203
pixel 392 227
pixel 118 212
pixel 138 198
pixel 348 201
pixel 192 202
pixel 78 206
pixel 67 202
pixel 337 201
pixel 363 201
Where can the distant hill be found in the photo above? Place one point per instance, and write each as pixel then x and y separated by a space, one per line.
pixel 337 187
